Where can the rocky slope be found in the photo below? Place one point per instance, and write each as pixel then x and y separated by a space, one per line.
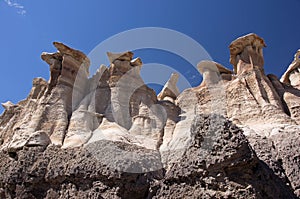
pixel 236 135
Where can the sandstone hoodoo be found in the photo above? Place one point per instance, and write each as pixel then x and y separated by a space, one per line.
pixel 236 135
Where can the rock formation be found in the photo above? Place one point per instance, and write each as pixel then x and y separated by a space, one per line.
pixel 44 115
pixel 289 91
pixel 246 53
pixel 291 76
pixel 170 91
pixel 236 135
pixel 213 73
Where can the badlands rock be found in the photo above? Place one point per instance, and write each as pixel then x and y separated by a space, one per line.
pixel 213 72
pixel 109 136
pixel 291 97
pixel 292 75
pixel 111 131
pixel 291 85
pixel 136 62
pixel 251 97
pixel 49 105
pixel 119 107
pixel 125 56
pixel 170 90
pixel 219 163
pixel 145 128
pixel 247 50
pixel 8 105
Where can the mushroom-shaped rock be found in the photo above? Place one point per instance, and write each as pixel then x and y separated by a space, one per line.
pixel 212 72
pixel 72 65
pixel 51 57
pixel 121 64
pixel 123 60
pixel 66 88
pixel 8 105
pixel 292 74
pixel 124 56
pixel 136 62
pixel 170 90
pixel 248 50
pixel 76 54
pixel 64 51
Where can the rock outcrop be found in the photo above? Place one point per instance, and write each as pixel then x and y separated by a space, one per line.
pixel 246 53
pixel 170 91
pixel 291 76
pixel 213 73
pixel 236 135
pixel 289 91
pixel 44 115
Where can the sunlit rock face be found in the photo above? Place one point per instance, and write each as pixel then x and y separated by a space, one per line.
pixel 246 52
pixel 111 129
pixel 256 99
pixel 170 91
pixel 292 74
pixel 213 73
pixel 289 90
pixel 43 117
pixel 119 107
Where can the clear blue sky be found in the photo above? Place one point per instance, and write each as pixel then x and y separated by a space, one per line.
pixel 29 27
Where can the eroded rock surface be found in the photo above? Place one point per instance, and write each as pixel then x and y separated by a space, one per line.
pixel 220 163
pixel 170 91
pixel 236 135
pixel 47 109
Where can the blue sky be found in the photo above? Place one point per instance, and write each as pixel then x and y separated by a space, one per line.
pixel 29 27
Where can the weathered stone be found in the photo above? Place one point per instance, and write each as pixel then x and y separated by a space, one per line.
pixel 252 95
pixel 288 89
pixel 8 105
pixel 66 89
pixel 122 65
pixel 213 73
pixel 292 74
pixel 125 56
pixel 291 98
pixel 170 90
pixel 76 54
pixel 50 104
pixel 78 173
pixel 251 98
pixel 83 122
pixel 111 131
pixel 247 50
pixel 145 128
pixel 277 146
pixel 118 139
pixel 112 108
pixel 179 137
pixel 219 163
pixel 136 62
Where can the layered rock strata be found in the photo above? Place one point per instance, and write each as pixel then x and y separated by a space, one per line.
pixel 236 135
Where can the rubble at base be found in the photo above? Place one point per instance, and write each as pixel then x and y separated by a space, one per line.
pixel 236 135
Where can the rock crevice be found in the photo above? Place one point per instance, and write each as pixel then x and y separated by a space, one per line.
pixel 110 136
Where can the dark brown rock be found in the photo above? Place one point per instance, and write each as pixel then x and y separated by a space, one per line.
pixel 110 136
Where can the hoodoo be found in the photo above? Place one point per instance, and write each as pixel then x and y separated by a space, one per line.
pixel 236 135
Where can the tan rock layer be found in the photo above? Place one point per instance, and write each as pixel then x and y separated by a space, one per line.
pixel 291 76
pixel 72 110
pixel 247 48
